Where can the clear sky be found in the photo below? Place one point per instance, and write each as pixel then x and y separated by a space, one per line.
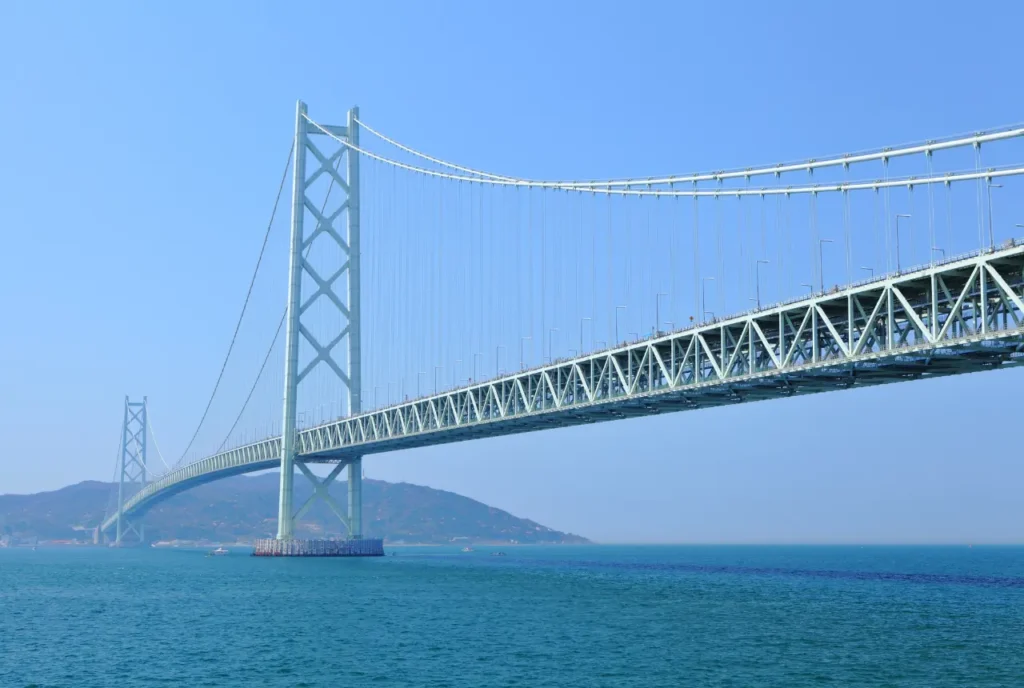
pixel 141 145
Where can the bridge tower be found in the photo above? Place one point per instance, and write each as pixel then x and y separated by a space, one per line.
pixel 325 216
pixel 131 466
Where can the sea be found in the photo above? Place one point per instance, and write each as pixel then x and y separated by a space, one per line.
pixel 789 616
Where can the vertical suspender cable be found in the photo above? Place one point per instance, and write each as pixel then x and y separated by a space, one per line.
pixel 438 308
pixel 764 245
pixel 593 267
pixel 720 279
pixel 846 234
pixel 779 244
pixel 696 257
pixel 543 270
pixel 579 249
pixel 876 229
pixel 949 215
pixel 530 309
pixel 629 244
pixel 885 216
pixel 672 257
pixel 788 229
pixel 912 221
pixel 645 272
pixel 846 227
pixel 611 300
pixel 744 268
pixel 931 214
pixel 816 269
pixel 980 197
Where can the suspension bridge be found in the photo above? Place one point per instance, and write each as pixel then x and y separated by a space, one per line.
pixel 666 293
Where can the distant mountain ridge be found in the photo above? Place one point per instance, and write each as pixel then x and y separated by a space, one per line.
pixel 241 508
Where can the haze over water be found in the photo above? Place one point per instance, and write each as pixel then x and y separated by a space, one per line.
pixel 540 616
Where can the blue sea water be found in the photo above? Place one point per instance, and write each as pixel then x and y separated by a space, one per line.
pixel 540 616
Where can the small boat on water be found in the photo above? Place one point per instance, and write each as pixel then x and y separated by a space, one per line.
pixel 497 554
pixel 220 551
pixel 467 549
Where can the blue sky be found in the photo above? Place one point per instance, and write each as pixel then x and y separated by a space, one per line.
pixel 142 146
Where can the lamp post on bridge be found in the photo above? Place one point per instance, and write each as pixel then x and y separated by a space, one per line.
pixel 522 365
pixel 940 250
pixel 657 311
pixel 703 294
pixel 898 216
pixel 757 279
pixel 991 235
pixel 821 267
pixel 870 270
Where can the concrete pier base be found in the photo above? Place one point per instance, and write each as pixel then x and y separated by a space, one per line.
pixel 272 547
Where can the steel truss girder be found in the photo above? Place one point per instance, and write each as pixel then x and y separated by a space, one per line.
pixel 962 316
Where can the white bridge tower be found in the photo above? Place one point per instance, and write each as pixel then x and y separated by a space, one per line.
pixel 335 218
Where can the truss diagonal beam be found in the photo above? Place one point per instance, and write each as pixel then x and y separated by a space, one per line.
pixel 321 491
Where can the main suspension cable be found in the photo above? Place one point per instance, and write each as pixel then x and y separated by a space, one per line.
pixel 975 139
pixel 453 166
pixel 607 187
pixel 245 304
pixel 159 455
pixel 284 314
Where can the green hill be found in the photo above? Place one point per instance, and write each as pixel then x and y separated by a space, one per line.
pixel 245 507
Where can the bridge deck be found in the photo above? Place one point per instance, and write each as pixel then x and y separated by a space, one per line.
pixel 961 316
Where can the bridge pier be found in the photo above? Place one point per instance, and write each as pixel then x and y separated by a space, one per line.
pixel 269 547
